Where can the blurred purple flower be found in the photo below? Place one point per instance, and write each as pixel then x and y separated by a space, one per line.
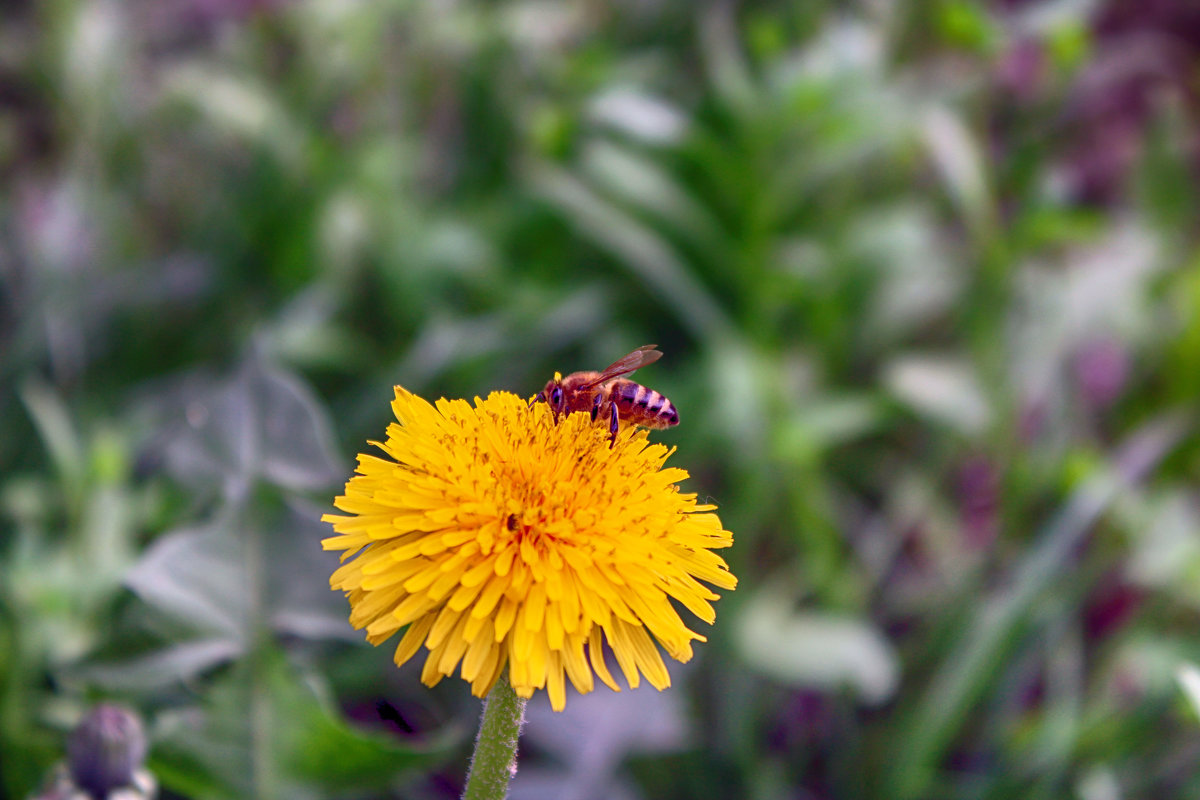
pixel 1142 58
pixel 213 11
pixel 1031 420
pixel 1180 19
pixel 1021 69
pixel 172 25
pixel 1110 607
pixel 56 233
pixel 1146 53
pixel 1101 369
pixel 801 724
pixel 978 500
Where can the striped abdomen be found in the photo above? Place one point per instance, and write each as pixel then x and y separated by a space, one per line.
pixel 641 406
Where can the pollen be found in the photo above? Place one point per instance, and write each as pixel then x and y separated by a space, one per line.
pixel 494 537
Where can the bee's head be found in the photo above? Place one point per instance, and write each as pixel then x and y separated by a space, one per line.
pixel 552 393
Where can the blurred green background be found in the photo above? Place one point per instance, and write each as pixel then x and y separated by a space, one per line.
pixel 926 276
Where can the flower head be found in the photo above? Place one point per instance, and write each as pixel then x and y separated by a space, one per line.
pixel 499 537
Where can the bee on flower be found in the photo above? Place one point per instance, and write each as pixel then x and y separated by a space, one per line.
pixel 503 535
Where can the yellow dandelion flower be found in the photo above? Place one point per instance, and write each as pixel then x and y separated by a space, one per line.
pixel 500 538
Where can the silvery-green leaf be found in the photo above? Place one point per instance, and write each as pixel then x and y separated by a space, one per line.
pixel 198 576
pixel 172 665
pixel 1188 676
pixel 640 115
pixel 261 424
pixel 299 600
pixel 943 388
pixel 816 649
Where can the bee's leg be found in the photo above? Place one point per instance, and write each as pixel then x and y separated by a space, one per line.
pixel 596 405
pixel 613 425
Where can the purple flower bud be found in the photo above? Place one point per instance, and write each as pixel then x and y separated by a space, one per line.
pixel 105 750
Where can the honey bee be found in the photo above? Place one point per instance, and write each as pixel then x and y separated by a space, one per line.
pixel 608 395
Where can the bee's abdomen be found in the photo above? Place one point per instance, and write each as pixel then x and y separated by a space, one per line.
pixel 644 406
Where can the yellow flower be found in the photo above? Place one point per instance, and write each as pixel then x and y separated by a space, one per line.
pixel 500 538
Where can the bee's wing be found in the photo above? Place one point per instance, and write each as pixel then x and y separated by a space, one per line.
pixel 646 354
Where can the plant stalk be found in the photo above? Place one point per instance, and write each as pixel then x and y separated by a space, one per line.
pixel 495 760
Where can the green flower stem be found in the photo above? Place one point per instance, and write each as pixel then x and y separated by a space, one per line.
pixel 495 759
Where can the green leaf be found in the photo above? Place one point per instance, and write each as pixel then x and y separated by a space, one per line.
pixel 263 731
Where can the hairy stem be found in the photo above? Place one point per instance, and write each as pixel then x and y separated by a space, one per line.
pixel 495 759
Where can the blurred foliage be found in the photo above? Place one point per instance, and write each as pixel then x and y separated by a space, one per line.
pixel 928 283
